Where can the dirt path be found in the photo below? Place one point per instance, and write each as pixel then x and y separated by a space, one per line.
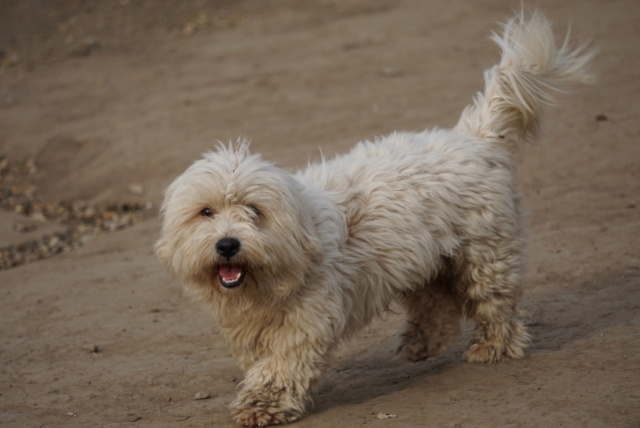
pixel 113 99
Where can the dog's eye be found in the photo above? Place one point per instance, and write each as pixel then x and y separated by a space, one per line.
pixel 207 212
pixel 255 210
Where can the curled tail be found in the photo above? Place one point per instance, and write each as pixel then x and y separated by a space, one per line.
pixel 516 91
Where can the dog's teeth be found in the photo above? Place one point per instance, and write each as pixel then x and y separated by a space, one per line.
pixel 235 278
pixel 230 276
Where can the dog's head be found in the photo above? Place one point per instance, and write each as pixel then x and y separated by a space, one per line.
pixel 233 223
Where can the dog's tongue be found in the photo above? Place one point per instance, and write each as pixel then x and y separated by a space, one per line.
pixel 230 273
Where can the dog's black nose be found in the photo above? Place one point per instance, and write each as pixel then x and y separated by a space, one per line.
pixel 228 247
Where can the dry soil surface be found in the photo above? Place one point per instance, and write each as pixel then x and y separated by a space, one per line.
pixel 113 99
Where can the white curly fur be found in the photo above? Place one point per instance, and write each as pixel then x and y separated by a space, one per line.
pixel 431 218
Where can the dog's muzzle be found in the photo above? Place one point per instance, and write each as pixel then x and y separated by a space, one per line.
pixel 230 274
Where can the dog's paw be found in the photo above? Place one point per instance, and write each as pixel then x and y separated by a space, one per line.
pixel 420 343
pixel 420 347
pixel 416 351
pixel 261 410
pixel 483 353
pixel 499 349
pixel 259 416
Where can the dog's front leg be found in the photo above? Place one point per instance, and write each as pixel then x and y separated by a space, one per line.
pixel 276 388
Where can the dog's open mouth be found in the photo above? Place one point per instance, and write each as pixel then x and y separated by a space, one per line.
pixel 230 275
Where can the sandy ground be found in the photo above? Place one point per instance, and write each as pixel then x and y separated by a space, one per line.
pixel 114 94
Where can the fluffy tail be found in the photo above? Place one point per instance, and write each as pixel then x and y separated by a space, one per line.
pixel 516 91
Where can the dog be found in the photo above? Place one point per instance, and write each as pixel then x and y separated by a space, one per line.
pixel 291 264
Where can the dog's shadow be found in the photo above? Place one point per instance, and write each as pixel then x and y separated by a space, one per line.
pixel 555 319
pixel 577 311
pixel 377 370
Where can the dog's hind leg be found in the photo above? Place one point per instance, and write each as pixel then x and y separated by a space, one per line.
pixel 490 288
pixel 434 314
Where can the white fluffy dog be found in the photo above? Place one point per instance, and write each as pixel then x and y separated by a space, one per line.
pixel 293 263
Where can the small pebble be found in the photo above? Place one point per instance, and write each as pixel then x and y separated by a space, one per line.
pixel 136 189
pixel 86 48
pixel 39 217
pixel 385 416
pixel 201 395
pixel 24 227
pixel 391 72
pixel 94 349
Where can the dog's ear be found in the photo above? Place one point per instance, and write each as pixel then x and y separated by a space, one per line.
pixel 308 252
pixel 300 214
pixel 298 230
pixel 162 247
pixel 162 251
pixel 309 240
